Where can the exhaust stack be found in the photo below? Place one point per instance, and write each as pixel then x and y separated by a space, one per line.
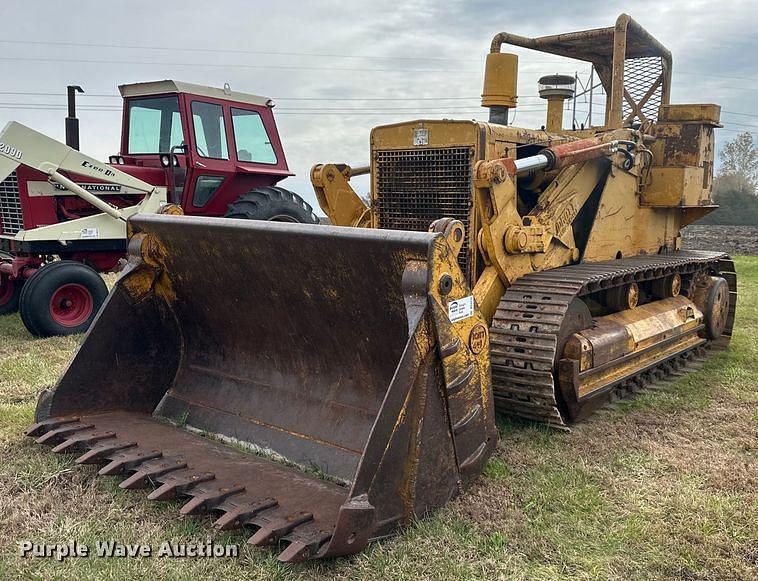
pixel 72 123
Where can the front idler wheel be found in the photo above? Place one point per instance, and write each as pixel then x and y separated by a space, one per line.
pixel 62 298
pixel 712 297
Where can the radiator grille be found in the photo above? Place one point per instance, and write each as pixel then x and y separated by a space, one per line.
pixel 414 187
pixel 11 219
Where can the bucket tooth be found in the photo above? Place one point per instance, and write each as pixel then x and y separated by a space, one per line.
pixel 271 532
pixel 58 434
pixel 303 546
pixel 85 439
pixel 103 450
pixel 210 499
pixel 128 461
pixel 176 485
pixel 240 514
pixel 151 470
pixel 41 427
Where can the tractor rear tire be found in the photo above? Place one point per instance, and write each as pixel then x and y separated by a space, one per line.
pixel 274 204
pixel 62 298
pixel 10 291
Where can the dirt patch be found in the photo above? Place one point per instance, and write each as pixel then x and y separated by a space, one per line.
pixel 663 487
pixel 734 240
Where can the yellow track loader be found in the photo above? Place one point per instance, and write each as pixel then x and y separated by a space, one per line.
pixel 323 385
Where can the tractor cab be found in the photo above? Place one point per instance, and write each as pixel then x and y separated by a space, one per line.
pixel 63 214
pixel 207 145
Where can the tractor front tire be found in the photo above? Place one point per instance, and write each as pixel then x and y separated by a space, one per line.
pixel 274 204
pixel 61 298
pixel 10 291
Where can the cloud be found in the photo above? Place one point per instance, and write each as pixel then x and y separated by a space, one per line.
pixel 427 49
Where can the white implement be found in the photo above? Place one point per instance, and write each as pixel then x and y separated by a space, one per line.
pixel 20 145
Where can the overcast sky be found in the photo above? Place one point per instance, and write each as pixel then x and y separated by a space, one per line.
pixel 318 60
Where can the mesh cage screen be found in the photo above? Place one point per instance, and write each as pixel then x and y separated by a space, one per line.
pixel 640 74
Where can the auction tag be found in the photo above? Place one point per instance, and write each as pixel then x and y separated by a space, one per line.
pixel 461 309
pixel 90 233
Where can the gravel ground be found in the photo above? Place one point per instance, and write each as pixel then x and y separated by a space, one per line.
pixel 735 240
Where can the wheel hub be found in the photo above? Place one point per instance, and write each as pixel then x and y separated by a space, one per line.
pixel 283 218
pixel 71 305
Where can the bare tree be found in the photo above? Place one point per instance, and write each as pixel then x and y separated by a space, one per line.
pixel 740 156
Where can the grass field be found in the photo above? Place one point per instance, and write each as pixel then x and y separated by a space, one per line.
pixel 664 486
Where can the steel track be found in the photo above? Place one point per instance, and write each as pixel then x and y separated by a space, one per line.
pixel 524 330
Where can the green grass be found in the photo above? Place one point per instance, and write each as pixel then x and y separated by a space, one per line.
pixel 664 486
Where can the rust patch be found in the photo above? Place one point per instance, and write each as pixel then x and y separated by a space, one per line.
pixel 149 275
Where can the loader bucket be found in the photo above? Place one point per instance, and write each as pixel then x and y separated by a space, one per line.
pixel 321 385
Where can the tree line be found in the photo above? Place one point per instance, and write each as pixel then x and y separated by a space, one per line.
pixel 735 187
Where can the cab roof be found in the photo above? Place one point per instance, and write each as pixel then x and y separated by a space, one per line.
pixel 169 86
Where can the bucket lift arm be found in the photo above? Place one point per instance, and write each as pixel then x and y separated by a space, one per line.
pixel 337 198
pixel 512 245
pixel 20 145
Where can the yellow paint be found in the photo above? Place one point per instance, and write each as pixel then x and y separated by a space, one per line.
pixel 339 201
pixel 649 323
pixel 634 338
pixel 642 199
pixel 500 80
pixel 148 274
pixel 595 382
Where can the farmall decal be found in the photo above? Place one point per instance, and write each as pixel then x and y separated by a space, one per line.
pixel 10 151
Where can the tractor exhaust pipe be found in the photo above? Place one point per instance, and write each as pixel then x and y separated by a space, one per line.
pixel 72 123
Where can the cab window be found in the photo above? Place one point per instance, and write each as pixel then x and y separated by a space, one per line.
pixel 210 131
pixel 205 187
pixel 155 125
pixel 250 137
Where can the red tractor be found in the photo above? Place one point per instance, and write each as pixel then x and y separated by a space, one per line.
pixel 212 152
